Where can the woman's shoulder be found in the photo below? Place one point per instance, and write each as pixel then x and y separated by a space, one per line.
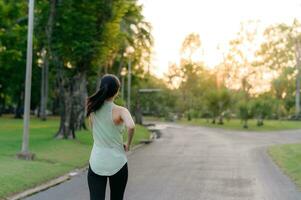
pixel 120 108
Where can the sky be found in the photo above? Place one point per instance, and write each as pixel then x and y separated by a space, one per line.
pixel 216 21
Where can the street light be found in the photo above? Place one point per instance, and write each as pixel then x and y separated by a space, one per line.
pixel 122 73
pixel 295 31
pixel 25 154
pixel 128 52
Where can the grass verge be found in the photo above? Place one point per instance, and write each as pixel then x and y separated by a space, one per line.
pixel 288 158
pixel 236 124
pixel 53 157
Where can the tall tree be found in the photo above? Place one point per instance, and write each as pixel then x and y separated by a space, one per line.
pixel 45 38
pixel 191 47
pixel 281 50
pixel 191 69
pixel 77 41
pixel 239 60
pixel 86 40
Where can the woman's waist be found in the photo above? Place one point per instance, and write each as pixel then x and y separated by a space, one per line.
pixel 100 148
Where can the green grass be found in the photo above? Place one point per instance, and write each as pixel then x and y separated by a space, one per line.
pixel 141 134
pixel 236 124
pixel 53 157
pixel 288 157
pixel 153 118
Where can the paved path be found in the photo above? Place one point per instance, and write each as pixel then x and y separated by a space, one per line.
pixel 194 163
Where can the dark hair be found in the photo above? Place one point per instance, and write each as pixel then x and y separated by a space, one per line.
pixel 109 86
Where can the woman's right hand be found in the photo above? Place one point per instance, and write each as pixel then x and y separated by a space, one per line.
pixel 126 147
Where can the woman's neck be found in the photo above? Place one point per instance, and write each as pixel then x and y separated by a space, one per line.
pixel 110 99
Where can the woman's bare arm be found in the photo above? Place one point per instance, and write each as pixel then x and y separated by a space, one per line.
pixel 130 125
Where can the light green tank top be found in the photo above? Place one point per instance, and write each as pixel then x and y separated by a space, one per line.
pixel 107 155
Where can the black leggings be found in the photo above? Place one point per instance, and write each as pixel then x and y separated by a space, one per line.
pixel 97 184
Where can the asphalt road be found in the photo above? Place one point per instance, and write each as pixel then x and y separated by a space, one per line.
pixel 195 163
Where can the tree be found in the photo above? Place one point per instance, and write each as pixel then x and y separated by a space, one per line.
pixel 13 32
pixel 281 50
pixel 77 41
pixel 135 33
pixel 239 61
pixel 218 101
pixel 212 102
pixel 191 47
pixel 86 40
pixel 283 91
pixel 245 112
pixel 189 74
pixel 45 30
pixel 260 108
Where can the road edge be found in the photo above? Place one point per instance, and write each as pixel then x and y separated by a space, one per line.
pixel 46 185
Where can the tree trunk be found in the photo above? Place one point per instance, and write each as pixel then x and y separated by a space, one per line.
pixel 2 105
pixel 44 82
pixel 258 122
pixel 297 78
pixel 220 120
pixel 120 67
pixel 2 102
pixel 66 129
pixel 44 86
pixel 189 116
pixel 245 123
pixel 138 112
pixel 73 94
pixel 80 95
pixel 46 52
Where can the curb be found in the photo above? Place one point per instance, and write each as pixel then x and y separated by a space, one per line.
pixel 69 175
pixel 144 142
pixel 46 185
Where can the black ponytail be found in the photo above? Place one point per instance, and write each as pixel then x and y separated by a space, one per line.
pixel 109 86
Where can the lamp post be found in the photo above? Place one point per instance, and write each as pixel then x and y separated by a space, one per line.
pixel 123 73
pixel 129 84
pixel 129 50
pixel 25 154
pixel 295 31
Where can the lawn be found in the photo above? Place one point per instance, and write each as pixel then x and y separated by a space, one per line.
pixel 236 124
pixel 53 157
pixel 288 157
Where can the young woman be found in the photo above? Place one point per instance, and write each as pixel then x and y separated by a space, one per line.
pixel 108 159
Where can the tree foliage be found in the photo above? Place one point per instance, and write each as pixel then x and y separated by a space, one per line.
pixel 13 29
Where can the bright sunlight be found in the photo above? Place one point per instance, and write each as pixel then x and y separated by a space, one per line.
pixel 216 22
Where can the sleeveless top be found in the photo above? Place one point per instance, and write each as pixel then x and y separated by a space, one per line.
pixel 108 154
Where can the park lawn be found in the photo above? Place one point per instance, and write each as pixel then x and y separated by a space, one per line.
pixel 236 124
pixel 288 158
pixel 53 157
pixel 141 134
